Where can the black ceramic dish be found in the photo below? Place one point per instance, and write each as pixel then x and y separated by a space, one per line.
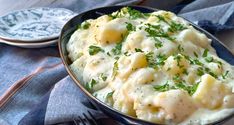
pixel 71 26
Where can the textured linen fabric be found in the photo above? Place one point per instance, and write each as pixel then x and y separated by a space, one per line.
pixel 38 88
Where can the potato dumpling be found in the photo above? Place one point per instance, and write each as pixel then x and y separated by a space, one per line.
pixel 175 64
pixel 128 64
pixel 210 92
pixel 143 76
pixel 133 41
pixel 177 104
pixel 197 38
pixel 122 104
pixel 112 32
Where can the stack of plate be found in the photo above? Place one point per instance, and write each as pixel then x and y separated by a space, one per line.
pixel 34 27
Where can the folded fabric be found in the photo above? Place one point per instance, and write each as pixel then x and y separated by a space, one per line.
pixel 35 88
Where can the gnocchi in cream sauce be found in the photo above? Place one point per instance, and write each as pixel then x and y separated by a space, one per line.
pixel 152 66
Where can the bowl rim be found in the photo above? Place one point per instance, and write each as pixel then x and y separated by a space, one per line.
pixel 79 84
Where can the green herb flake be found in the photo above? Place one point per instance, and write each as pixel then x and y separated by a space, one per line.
pixel 89 86
pixel 209 59
pixel 138 50
pixel 180 48
pixel 162 88
pixel 158 44
pixel 161 18
pixel 116 58
pixel 177 79
pixel 108 53
pixel 161 59
pixel 197 62
pixel 115 69
pixel 117 49
pixel 134 14
pixel 150 59
pixel 130 27
pixel 205 53
pixel 110 94
pixel 213 74
pixel 174 27
pixel 224 76
pixel 155 31
pixel 103 77
pixel 178 59
pixel 94 50
pixel 126 54
pixel 200 71
pixel 190 89
pixel 195 54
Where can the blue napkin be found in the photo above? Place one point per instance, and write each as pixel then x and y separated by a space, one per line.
pixel 35 88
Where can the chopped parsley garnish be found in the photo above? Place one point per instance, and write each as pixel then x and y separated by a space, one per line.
pixel 213 74
pixel 150 59
pixel 89 86
pixel 117 14
pixel 162 88
pixel 195 54
pixel 205 53
pixel 158 43
pixel 126 54
pixel 209 59
pixel 180 48
pixel 177 79
pixel 197 62
pixel 178 59
pixel 174 27
pixel 132 13
pixel 109 95
pixel 161 18
pixel 154 63
pixel 103 77
pixel 138 50
pixel 116 58
pixel 161 59
pixel 117 49
pixel 190 89
pixel 155 31
pixel 84 25
pixel 94 50
pixel 178 85
pixel 130 27
pixel 108 53
pixel 115 69
pixel 200 71
pixel 224 76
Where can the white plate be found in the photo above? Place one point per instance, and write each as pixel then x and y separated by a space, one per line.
pixel 34 24
pixel 31 45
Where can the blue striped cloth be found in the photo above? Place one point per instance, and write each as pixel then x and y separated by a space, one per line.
pixel 35 88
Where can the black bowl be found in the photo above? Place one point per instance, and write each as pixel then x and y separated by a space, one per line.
pixel 71 26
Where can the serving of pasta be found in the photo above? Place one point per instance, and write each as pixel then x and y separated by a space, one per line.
pixel 152 66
